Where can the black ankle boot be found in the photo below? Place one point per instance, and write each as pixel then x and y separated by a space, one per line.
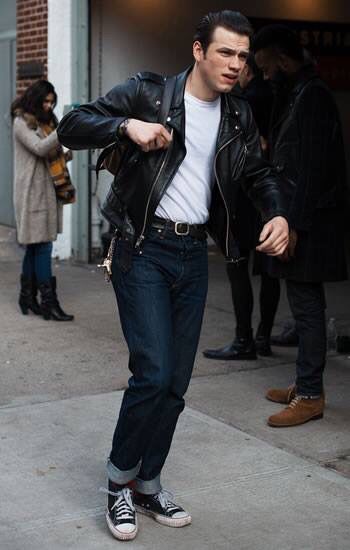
pixel 54 286
pixel 262 341
pixel 50 306
pixel 27 297
pixel 239 349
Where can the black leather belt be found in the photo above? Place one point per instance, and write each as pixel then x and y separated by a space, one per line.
pixel 197 231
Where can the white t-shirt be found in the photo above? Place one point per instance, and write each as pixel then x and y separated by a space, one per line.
pixel 188 196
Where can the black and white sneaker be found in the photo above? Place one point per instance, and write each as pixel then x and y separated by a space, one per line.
pixel 121 514
pixel 162 509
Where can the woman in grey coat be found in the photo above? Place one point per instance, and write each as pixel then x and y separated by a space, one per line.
pixel 38 211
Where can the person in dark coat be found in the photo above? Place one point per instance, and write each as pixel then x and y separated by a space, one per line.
pixel 306 148
pixel 258 93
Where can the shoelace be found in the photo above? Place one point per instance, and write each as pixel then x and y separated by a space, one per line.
pixel 125 508
pixel 164 499
pixel 294 401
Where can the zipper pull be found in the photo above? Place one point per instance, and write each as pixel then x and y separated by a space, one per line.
pixel 139 241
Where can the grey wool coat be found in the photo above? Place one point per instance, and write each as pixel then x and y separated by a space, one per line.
pixel 37 212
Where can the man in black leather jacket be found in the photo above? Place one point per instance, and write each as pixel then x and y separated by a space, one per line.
pixel 175 183
pixel 306 147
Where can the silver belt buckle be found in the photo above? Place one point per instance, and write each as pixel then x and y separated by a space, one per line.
pixel 187 232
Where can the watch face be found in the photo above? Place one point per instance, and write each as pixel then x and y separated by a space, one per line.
pixel 122 127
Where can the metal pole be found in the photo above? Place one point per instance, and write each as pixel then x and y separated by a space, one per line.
pixel 80 94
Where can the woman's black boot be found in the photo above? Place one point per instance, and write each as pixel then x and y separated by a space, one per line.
pixel 262 341
pixel 63 314
pixel 27 297
pixel 50 306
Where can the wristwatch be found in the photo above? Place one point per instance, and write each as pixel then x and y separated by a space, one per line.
pixel 121 132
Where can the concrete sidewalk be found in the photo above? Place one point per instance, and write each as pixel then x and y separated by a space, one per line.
pixel 247 486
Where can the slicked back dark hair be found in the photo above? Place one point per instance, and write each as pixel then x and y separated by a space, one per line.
pixel 31 101
pixel 279 38
pixel 231 20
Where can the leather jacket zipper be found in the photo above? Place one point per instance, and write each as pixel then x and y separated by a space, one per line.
pixel 142 236
pixel 220 189
pixel 242 159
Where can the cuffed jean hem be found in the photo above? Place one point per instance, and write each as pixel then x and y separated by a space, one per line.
pixel 150 487
pixel 121 477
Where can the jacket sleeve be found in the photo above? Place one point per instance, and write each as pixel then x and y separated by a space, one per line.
pixel 316 119
pixel 35 144
pixel 260 181
pixel 94 125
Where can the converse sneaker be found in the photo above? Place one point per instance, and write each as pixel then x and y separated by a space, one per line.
pixel 121 514
pixel 162 509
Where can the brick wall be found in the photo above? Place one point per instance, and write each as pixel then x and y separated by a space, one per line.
pixel 31 42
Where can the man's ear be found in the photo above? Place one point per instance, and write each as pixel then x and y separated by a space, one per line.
pixel 198 53
pixel 247 71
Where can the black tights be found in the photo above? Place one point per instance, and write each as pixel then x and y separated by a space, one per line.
pixel 243 301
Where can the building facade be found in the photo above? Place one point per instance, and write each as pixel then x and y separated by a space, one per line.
pixel 84 47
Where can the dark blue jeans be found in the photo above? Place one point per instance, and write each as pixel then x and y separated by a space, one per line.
pixel 37 262
pixel 307 303
pixel 161 301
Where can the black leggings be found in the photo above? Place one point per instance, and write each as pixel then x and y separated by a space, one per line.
pixel 243 301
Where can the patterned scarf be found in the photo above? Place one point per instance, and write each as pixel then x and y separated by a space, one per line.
pixel 56 161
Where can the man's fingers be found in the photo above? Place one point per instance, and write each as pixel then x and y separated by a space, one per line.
pixel 272 250
pixel 278 251
pixel 161 142
pixel 165 135
pixel 159 138
pixel 273 245
pixel 265 232
pixel 148 135
pixel 274 237
pixel 271 242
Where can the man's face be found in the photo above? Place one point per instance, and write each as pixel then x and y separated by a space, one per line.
pixel 223 61
pixel 269 63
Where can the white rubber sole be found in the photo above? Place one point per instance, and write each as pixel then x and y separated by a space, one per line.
pixel 119 534
pixel 163 520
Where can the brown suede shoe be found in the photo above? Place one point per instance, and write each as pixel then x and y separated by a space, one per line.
pixel 283 396
pixel 298 412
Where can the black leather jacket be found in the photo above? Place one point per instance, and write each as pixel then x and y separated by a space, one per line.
pixel 144 177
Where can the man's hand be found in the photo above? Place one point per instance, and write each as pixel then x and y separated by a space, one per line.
pixel 289 252
pixel 148 135
pixel 274 237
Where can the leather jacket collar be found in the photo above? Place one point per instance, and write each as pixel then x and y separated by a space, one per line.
pixel 177 112
pixel 302 77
